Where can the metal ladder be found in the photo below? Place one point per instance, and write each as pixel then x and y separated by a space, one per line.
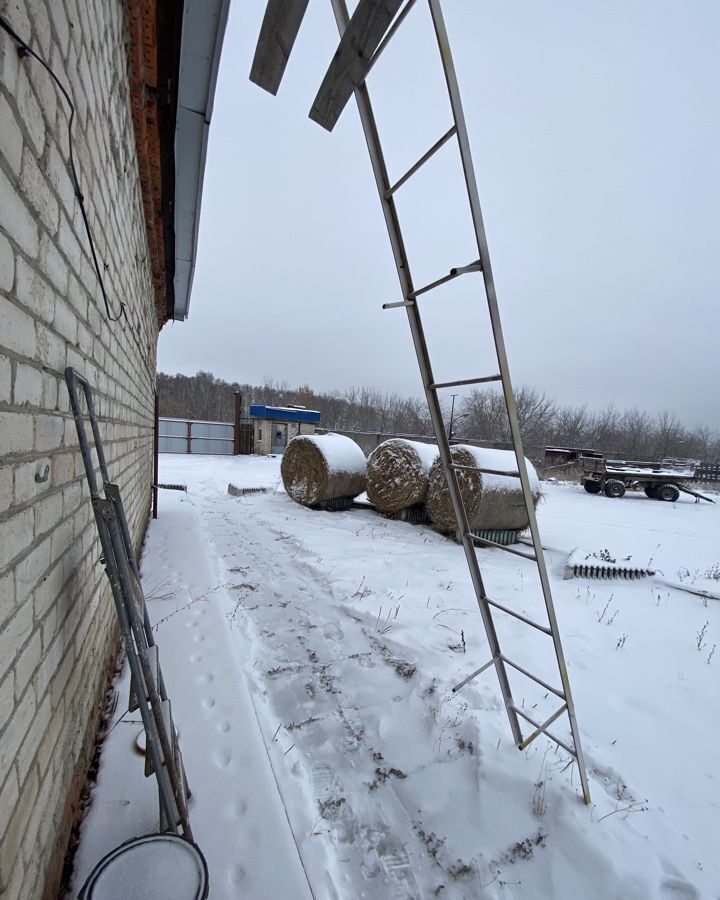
pixel 363 38
pixel 147 691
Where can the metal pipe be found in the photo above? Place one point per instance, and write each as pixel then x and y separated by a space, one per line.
pixel 517 615
pixel 549 734
pixel 542 728
pixel 548 687
pixel 473 675
pixel 448 384
pixel 421 162
pixel 454 273
pixel 486 543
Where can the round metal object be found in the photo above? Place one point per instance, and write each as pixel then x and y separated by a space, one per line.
pixel 152 867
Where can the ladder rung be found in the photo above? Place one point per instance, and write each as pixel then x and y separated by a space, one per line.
pixel 473 675
pixel 549 734
pixel 454 273
pixel 486 471
pixel 517 615
pixel 398 303
pixel 447 384
pixel 548 687
pixel 451 132
pixel 541 729
pixel 167 719
pixel 496 546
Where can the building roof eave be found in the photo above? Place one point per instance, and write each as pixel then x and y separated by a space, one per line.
pixel 203 30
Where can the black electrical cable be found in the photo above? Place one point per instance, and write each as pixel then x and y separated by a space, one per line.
pixel 25 49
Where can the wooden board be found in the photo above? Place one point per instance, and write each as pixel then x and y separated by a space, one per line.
pixel 279 30
pixel 349 67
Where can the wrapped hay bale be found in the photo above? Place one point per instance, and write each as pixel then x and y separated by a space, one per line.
pixel 397 474
pixel 491 501
pixel 317 468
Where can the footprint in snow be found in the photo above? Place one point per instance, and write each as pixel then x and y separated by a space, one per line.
pixel 678 889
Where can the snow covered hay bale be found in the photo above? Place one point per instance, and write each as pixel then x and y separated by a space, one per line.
pixel 397 474
pixel 319 469
pixel 491 501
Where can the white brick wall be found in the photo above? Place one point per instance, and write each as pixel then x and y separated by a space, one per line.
pixel 57 623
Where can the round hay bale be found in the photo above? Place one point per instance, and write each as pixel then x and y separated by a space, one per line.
pixel 317 468
pixel 491 501
pixel 397 474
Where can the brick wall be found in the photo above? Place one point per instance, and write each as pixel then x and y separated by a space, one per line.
pixel 57 632
pixel 264 430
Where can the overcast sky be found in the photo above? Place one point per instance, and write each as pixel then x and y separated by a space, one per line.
pixel 595 130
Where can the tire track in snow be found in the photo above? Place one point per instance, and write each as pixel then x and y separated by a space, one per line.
pixel 346 781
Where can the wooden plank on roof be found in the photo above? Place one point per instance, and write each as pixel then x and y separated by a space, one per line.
pixel 280 27
pixel 349 67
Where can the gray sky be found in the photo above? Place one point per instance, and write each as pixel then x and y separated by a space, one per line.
pixel 595 131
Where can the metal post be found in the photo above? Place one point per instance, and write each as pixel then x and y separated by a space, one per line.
pixel 188 437
pixel 238 416
pixel 452 415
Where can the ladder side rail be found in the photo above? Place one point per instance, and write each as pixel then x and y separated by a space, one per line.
pixel 372 139
pixel 140 643
pixel 103 511
pixel 112 492
pixel 72 376
pixel 476 213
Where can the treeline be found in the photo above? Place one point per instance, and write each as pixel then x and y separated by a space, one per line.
pixel 203 396
pixel 481 415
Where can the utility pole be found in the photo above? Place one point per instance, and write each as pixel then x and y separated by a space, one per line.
pixel 452 415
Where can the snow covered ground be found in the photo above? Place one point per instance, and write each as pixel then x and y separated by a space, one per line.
pixel 310 655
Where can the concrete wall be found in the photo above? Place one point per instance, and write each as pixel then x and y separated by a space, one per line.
pixel 57 621
pixel 263 433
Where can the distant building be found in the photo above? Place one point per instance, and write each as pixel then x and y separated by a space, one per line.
pixel 274 426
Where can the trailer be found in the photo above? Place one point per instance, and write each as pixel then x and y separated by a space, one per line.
pixel 659 481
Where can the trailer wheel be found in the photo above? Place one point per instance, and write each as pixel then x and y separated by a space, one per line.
pixel 614 488
pixel 592 487
pixel 651 491
pixel 667 492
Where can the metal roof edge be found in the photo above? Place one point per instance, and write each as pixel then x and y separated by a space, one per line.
pixel 203 31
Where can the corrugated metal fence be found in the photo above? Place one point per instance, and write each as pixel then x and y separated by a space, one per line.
pixel 192 436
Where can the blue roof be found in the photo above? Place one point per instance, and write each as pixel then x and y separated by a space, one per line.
pixel 284 413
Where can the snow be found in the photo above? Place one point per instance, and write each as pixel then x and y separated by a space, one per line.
pixel 341 453
pixel 310 655
pixel 426 453
pixel 156 868
pixel 501 461
pixel 635 470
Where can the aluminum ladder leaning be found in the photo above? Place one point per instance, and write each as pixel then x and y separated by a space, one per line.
pixel 147 693
pixel 363 38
